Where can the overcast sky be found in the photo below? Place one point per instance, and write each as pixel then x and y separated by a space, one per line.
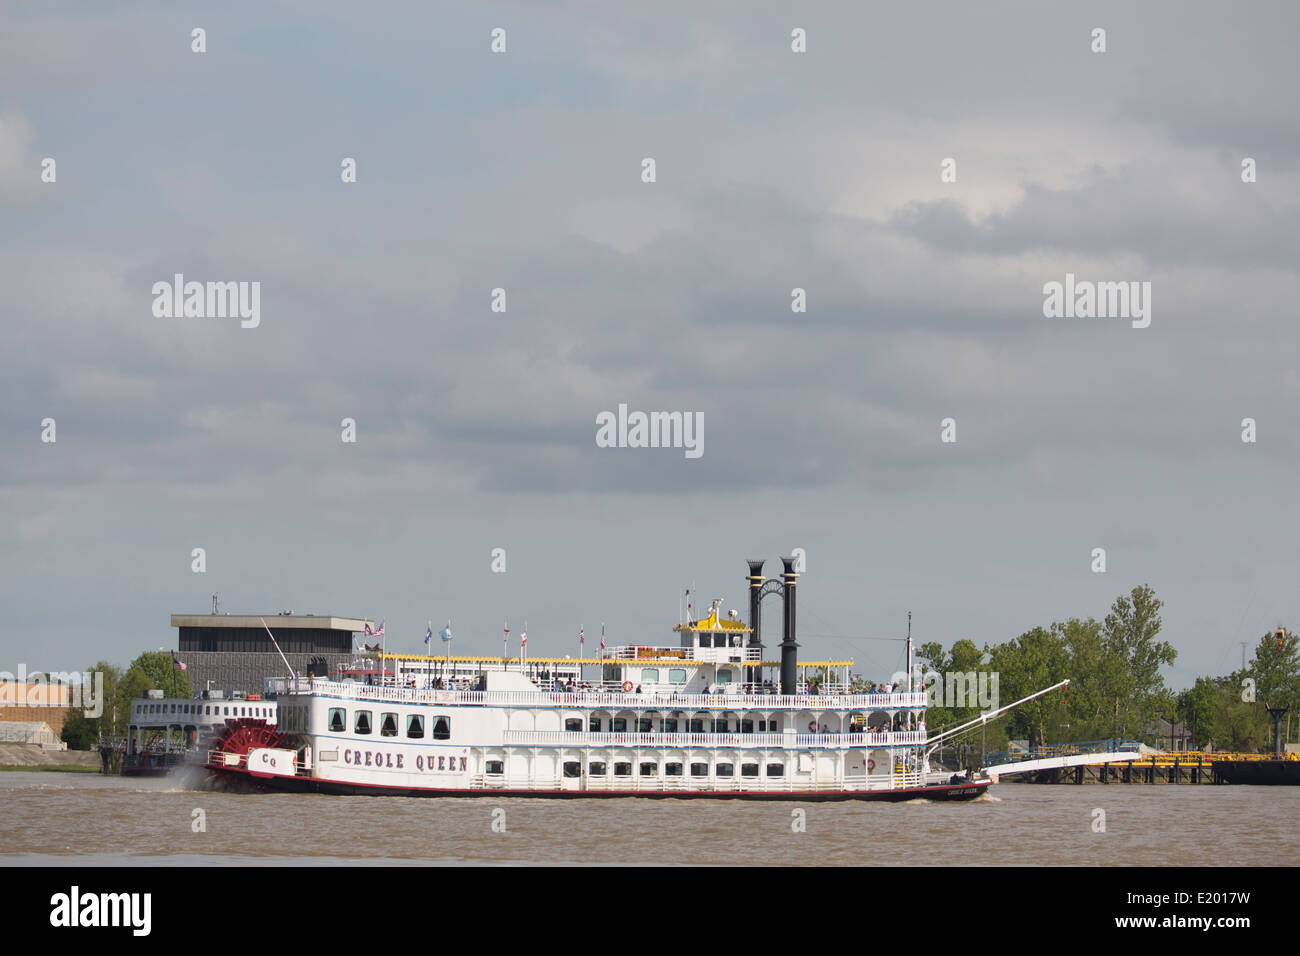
pixel 522 170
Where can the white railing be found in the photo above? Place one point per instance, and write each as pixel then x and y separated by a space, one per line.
pixel 602 700
pixel 666 655
pixel 665 784
pixel 561 738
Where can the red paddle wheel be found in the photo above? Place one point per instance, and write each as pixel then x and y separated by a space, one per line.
pixel 242 735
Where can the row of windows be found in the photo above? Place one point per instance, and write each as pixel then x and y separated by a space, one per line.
pixel 722 640
pixel 598 768
pixel 245 640
pixel 209 710
pixel 362 723
pixel 671 725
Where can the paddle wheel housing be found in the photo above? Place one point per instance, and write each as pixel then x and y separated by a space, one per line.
pixel 240 736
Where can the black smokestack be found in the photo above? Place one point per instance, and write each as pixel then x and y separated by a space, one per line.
pixel 789 646
pixel 756 599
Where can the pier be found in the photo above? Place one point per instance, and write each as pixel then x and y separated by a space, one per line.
pixel 1113 761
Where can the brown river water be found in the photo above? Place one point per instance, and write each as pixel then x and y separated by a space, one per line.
pixel 65 819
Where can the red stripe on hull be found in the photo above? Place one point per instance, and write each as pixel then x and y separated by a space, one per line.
pixel 961 791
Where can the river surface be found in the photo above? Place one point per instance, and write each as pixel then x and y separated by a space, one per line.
pixel 70 819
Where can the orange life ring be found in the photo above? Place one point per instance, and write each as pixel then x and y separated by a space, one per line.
pixel 812 727
pixel 627 686
pixel 871 765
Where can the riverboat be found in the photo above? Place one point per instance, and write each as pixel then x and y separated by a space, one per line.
pixel 700 718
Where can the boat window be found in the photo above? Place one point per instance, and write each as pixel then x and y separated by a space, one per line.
pixel 668 725
pixel 620 725
pixel 695 725
pixel 776 770
pixel 719 725
pixel 622 769
pixel 677 675
pixel 672 770
pixel 726 770
pixel 573 724
pixel 593 725
pixel 644 725
pixel 699 770
pixel 762 726
pixel 415 726
pixel 362 725
pixel 749 770
pixel 496 767
pixel 596 768
pixel 388 725
pixel 649 770
pixel 774 726
pixel 442 728
pixel 572 768
pixel 649 675
pixel 746 726
pixel 724 676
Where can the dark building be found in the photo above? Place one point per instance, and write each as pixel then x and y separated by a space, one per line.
pixel 232 652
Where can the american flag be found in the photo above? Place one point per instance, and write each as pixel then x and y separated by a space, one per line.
pixel 602 637
pixel 377 632
pixel 582 636
pixel 523 637
pixel 177 663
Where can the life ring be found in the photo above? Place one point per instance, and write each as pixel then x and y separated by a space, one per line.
pixel 871 765
pixel 627 686
pixel 812 727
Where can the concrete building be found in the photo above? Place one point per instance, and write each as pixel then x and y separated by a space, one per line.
pixel 30 732
pixel 35 703
pixel 232 652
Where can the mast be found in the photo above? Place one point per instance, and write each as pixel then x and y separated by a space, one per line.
pixel 911 686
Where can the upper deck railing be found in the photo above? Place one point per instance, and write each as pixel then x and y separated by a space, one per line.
pixel 603 700
pixel 735 654
pixel 768 741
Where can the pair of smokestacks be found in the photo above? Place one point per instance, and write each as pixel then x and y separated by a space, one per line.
pixel 789 646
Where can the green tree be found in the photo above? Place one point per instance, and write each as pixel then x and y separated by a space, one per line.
pixel 157 670
pixel 1129 638
pixel 79 731
pixel 1239 726
pixel 1198 708
pixel 939 672
pixel 1036 659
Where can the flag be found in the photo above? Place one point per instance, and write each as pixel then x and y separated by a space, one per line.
pixel 582 636
pixel 177 663
pixel 445 633
pixel 523 637
pixel 376 632
pixel 602 637
pixel 428 635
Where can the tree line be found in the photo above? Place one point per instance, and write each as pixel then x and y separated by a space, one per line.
pixel 1116 686
pixel 152 670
